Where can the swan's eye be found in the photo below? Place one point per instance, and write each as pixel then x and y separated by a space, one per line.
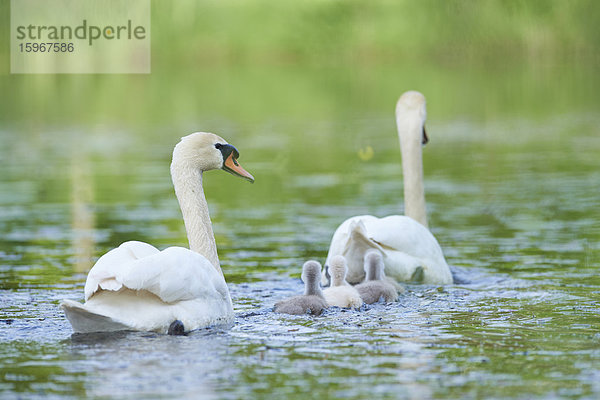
pixel 228 151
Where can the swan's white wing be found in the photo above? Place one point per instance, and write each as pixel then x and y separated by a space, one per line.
pixel 102 275
pixel 139 249
pixel 174 274
pixel 339 241
pixel 408 245
pixel 403 234
pixel 394 232
pixel 342 234
pixel 404 243
pixel 138 287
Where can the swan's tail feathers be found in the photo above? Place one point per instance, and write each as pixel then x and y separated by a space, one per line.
pixel 356 233
pixel 84 321
pixel 358 236
pixel 358 228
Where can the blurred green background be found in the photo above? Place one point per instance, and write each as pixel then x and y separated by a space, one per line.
pixel 255 61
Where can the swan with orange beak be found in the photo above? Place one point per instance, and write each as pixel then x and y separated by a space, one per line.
pixel 137 287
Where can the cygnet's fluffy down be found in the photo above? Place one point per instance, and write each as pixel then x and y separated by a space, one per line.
pixel 341 294
pixel 312 301
pixel 375 287
pixel 304 304
pixel 373 291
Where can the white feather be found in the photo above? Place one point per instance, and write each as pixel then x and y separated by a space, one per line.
pixel 404 244
pixel 102 275
pixel 150 292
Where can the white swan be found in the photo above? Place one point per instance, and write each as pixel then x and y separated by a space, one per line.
pixel 341 293
pixel 138 287
pixel 312 301
pixel 410 252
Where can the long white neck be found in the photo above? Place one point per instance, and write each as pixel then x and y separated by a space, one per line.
pixel 188 189
pixel 410 131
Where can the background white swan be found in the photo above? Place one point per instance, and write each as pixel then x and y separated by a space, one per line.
pixel 138 287
pixel 410 252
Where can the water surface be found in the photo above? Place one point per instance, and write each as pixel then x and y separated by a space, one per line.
pixel 512 200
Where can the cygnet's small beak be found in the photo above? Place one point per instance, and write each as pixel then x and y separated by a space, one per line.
pixel 425 138
pixel 232 166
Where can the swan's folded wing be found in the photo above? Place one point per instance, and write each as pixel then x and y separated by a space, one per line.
pixel 404 234
pixel 103 273
pixel 175 274
pixel 340 241
pixel 341 236
pixel 139 249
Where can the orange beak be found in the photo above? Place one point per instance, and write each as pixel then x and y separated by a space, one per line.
pixel 232 166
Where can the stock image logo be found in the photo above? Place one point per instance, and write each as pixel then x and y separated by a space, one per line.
pixel 80 36
pixel 85 31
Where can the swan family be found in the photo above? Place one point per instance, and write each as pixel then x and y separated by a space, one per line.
pixel 138 287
